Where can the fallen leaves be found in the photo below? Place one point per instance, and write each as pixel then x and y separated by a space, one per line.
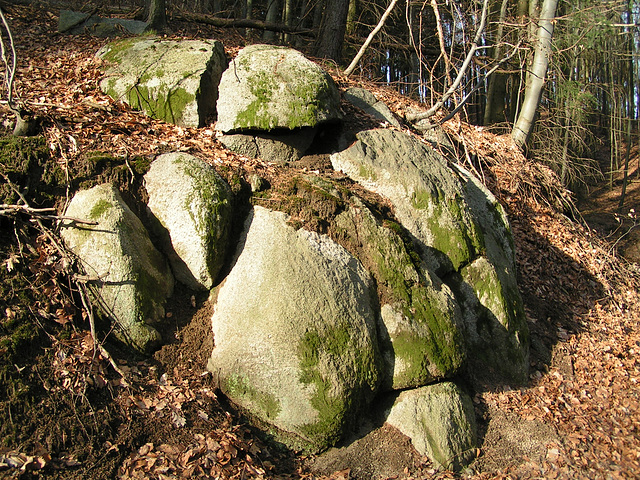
pixel 219 454
pixel 22 462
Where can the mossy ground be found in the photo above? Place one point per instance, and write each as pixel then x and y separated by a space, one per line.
pixel 26 163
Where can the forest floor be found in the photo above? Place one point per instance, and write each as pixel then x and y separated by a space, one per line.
pixel 65 412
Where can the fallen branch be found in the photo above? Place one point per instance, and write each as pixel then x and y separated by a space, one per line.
pixel 40 213
pixel 84 296
pixel 81 280
pixel 429 126
pixel 244 23
pixel 26 122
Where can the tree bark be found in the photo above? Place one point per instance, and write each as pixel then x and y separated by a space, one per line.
pixel 497 89
pixel 332 29
pixel 273 11
pixel 157 18
pixel 536 79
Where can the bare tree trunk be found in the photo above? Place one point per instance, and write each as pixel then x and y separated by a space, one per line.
pixel 288 17
pixel 273 11
pixel 331 35
pixel 443 51
pixel 497 89
pixel 536 79
pixel 461 73
pixel 157 18
pixel 630 108
pixel 352 15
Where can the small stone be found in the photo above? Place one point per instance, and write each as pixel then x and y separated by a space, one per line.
pixel 257 183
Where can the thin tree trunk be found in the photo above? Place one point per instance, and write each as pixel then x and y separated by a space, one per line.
pixel 352 15
pixel 630 109
pixel 288 18
pixel 157 18
pixel 443 51
pixel 272 16
pixel 497 89
pixel 461 73
pixel 248 14
pixel 524 125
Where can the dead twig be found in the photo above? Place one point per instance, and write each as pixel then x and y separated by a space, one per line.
pixel 40 213
pixel 86 303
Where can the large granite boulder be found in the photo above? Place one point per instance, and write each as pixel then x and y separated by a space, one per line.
pixel 191 204
pixel 440 421
pixel 174 81
pixel 420 320
pixel 132 279
pixel 495 329
pixel 427 195
pixel 268 87
pixel 295 332
pixel 462 236
pixel 281 147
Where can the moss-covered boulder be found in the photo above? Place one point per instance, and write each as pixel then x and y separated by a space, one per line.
pixel 191 208
pixel 462 236
pixel 420 320
pixel 440 421
pixel 496 329
pixel 78 23
pixel 295 332
pixel 174 81
pixel 268 87
pixel 132 279
pixel 282 147
pixel 429 198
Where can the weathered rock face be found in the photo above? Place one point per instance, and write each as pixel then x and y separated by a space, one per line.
pixel 495 324
pixel 287 146
pixel 462 236
pixel 427 195
pixel 440 421
pixel 77 23
pixel 267 88
pixel 169 80
pixel 295 333
pixel 421 323
pixel 134 278
pixel 192 206
pixel 366 101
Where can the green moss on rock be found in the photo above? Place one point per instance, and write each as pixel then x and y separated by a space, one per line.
pixel 99 209
pixel 333 406
pixel 237 386
pixel 428 343
pixel 164 103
